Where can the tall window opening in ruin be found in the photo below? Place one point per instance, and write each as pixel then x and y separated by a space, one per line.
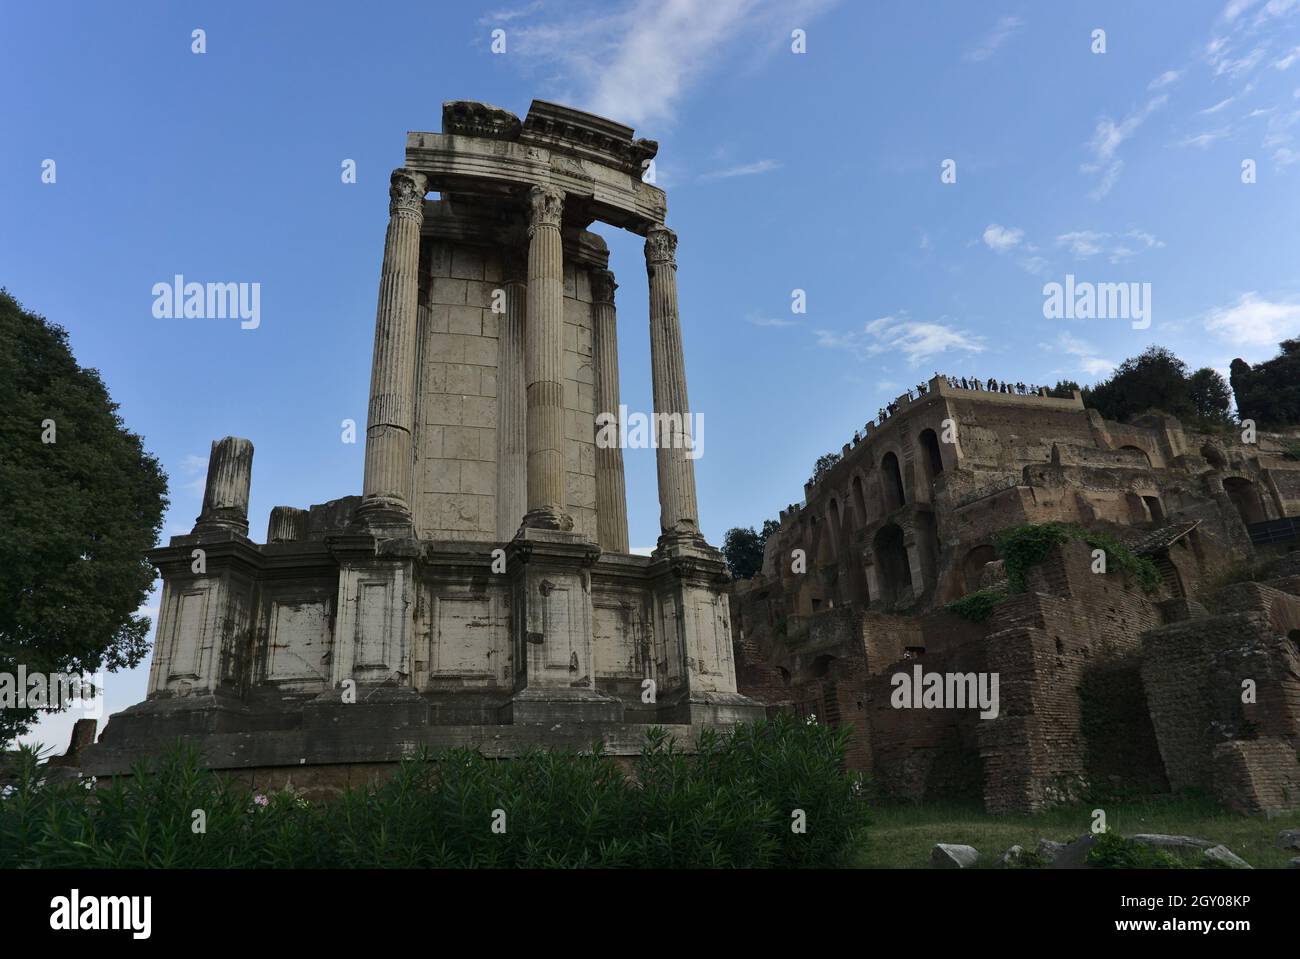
pixel 1245 496
pixel 933 457
pixel 859 500
pixel 894 567
pixel 836 527
pixel 1213 457
pixel 1156 509
pixel 973 565
pixel 892 477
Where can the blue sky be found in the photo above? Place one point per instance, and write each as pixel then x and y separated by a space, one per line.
pixel 817 171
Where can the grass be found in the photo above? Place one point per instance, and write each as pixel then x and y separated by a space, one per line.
pixel 901 836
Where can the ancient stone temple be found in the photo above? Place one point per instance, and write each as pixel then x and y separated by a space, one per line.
pixel 480 590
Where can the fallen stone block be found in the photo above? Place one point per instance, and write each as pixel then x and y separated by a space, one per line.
pixel 1223 856
pixel 1075 855
pixel 1012 857
pixel 953 856
pixel 1288 839
pixel 1174 843
pixel 1048 850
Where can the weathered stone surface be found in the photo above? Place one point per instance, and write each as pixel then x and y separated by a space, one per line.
pixel 1075 855
pixel 1222 856
pixel 1049 849
pixel 1014 856
pixel 479 591
pixel 1288 839
pixel 953 856
pixel 1160 841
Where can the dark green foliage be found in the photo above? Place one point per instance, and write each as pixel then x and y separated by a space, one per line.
pixel 1269 392
pixel 729 804
pixel 1113 851
pixel 1023 547
pixel 743 549
pixel 76 515
pixel 1210 396
pixel 977 607
pixel 1153 380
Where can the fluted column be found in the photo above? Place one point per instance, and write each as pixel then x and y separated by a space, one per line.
pixel 391 419
pixel 512 397
pixel 225 494
pixel 678 513
pixel 288 524
pixel 544 362
pixel 611 491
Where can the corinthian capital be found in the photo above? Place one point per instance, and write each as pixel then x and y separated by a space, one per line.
pixel 545 207
pixel 603 286
pixel 661 247
pixel 406 190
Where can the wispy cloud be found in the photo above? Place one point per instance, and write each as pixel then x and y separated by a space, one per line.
pixel 1165 79
pixel 745 169
pixel 1005 29
pixel 1255 321
pixel 897 334
pixel 770 321
pixel 1086 359
pixel 635 62
pixel 1108 137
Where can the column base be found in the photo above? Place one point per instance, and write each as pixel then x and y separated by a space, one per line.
pixel 383 516
pixel 550 705
pixel 713 708
pixel 547 518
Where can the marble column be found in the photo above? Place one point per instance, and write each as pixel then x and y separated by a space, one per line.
pixel 678 513
pixel 544 363
pixel 611 490
pixel 391 423
pixel 512 419
pixel 225 495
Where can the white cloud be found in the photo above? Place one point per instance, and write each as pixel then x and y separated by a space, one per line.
pixel 1218 106
pixel 746 169
pixel 1082 243
pixel 765 321
pixel 915 340
pixel 1165 79
pixel 635 62
pixel 990 44
pixel 1255 321
pixel 1086 355
pixel 999 238
pixel 1286 61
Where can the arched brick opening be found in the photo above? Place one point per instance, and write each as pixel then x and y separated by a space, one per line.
pixel 933 456
pixel 895 570
pixel 974 563
pixel 892 478
pixel 1245 496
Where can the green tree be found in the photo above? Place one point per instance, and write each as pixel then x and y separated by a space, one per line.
pixel 1154 380
pixel 1210 395
pixel 1269 392
pixel 80 503
pixel 742 548
pixel 823 465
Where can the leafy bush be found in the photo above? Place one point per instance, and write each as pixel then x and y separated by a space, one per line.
pixel 977 607
pixel 1113 851
pixel 727 804
pixel 1023 547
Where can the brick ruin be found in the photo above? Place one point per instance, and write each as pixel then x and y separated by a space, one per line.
pixel 1104 688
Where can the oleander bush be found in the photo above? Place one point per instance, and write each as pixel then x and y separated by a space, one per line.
pixel 733 802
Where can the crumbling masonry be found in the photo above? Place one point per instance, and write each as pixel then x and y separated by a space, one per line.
pixel 1103 687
